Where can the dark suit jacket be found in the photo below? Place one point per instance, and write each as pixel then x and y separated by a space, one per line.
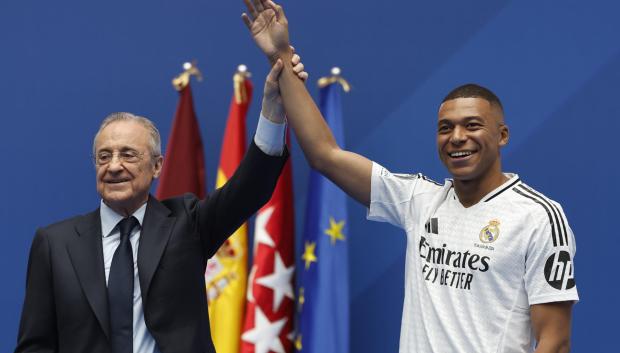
pixel 66 304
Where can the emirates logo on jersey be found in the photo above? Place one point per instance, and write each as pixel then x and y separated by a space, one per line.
pixel 490 233
pixel 559 271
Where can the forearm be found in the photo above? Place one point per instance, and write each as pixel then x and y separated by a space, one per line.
pixel 247 190
pixel 273 111
pixel 350 171
pixel 312 132
pixel 551 324
pixel 553 346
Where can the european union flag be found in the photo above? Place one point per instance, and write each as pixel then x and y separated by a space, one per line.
pixel 323 298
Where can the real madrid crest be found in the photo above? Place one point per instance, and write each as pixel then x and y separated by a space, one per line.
pixel 490 233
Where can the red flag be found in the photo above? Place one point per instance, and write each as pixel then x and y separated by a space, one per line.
pixel 184 164
pixel 270 303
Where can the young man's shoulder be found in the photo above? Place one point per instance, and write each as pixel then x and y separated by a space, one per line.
pixel 530 200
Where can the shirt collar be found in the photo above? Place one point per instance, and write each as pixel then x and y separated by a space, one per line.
pixel 109 218
pixel 513 179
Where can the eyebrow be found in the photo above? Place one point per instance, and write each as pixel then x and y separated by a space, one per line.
pixel 465 119
pixel 122 149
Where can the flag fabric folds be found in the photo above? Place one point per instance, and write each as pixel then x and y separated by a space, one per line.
pixel 269 319
pixel 184 165
pixel 226 274
pixel 323 293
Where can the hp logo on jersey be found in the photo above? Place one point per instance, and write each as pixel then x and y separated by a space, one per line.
pixel 559 271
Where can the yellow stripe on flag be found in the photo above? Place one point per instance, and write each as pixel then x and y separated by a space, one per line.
pixel 226 287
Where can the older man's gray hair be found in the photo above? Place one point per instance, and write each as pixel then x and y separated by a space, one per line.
pixel 154 140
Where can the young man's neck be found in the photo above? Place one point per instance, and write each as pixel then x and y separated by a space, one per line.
pixel 470 192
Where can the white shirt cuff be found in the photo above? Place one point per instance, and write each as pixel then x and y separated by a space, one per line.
pixel 270 136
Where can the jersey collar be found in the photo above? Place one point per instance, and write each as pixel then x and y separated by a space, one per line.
pixel 513 180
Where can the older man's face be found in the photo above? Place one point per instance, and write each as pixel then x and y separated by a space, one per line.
pixel 124 180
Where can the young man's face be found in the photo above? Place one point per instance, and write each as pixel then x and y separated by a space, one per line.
pixel 470 132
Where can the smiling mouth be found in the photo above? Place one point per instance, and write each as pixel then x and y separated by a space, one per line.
pixel 460 154
pixel 116 181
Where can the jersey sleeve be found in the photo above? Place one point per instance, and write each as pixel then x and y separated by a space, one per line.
pixel 549 263
pixel 391 195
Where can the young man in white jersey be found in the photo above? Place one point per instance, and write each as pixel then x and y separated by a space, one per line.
pixel 489 260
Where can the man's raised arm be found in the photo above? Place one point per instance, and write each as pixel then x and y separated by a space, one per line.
pixel 351 172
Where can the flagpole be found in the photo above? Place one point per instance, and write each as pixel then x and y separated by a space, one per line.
pixel 239 78
pixel 182 80
pixel 335 78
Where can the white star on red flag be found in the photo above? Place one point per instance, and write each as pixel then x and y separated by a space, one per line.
pixel 280 281
pixel 270 305
pixel 260 228
pixel 265 334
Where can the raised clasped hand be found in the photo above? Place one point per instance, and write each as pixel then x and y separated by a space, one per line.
pixel 269 27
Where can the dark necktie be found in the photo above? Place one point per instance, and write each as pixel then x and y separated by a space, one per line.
pixel 120 290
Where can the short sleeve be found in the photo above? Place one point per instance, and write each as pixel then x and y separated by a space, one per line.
pixel 549 264
pixel 391 194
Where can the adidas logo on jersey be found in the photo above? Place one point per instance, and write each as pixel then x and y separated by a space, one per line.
pixel 432 226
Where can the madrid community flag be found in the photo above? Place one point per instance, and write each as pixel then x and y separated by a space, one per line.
pixel 323 293
pixel 184 164
pixel 270 309
pixel 226 274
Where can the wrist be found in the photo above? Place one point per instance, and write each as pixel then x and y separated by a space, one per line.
pixel 273 112
pixel 285 54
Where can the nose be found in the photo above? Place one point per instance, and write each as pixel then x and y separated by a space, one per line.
pixel 458 136
pixel 115 164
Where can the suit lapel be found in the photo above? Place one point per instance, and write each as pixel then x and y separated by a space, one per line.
pixel 156 230
pixel 86 253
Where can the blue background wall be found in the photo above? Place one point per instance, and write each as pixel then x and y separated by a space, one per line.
pixel 64 65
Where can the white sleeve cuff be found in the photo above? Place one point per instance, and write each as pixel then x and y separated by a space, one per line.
pixel 270 136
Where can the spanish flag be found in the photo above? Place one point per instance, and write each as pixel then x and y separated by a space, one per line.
pixel 226 274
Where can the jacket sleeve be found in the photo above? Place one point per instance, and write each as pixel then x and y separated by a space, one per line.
pixel 37 329
pixel 250 187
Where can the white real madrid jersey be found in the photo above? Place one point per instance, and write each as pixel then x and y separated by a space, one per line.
pixel 472 273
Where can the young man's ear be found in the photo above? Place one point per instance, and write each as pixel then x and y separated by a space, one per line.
pixel 504 135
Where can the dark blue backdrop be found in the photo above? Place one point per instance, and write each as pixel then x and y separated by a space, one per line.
pixel 555 64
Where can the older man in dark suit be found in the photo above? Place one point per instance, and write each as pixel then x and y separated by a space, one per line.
pixel 129 276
